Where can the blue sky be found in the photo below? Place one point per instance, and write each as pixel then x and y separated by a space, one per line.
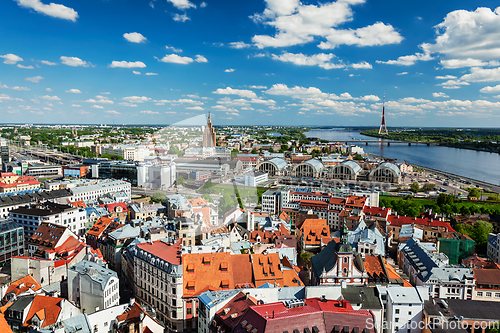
pixel 273 62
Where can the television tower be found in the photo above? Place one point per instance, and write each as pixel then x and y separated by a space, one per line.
pixel 383 127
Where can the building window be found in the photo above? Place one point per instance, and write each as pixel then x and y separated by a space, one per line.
pixel 479 294
pixel 488 294
pixel 397 311
pixel 497 295
pixel 396 320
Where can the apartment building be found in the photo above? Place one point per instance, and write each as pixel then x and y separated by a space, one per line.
pixel 158 280
pixel 31 216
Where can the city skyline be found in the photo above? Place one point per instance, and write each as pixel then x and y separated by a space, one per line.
pixel 271 62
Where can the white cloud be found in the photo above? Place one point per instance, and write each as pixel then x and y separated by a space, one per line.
pixel 200 58
pixel 203 5
pixel 376 34
pixel 4 97
pixel 440 94
pixel 478 74
pixel 134 37
pixel 408 60
pixel 34 79
pixel 136 72
pixel 136 99
pixel 11 59
pixel 25 67
pixel 54 10
pixel 362 65
pixel 181 18
pixel 182 4
pixel 402 73
pixel 149 112
pixel 127 104
pixel 229 70
pixel 413 100
pixel 113 112
pixel 468 35
pixel 74 91
pixel 239 45
pixel 298 23
pixel 76 105
pixel 197 108
pixel 46 62
pixel 321 59
pixel 460 63
pixel 446 77
pixel 370 98
pixel 149 73
pixel 100 100
pixel 20 88
pixel 95 106
pixel 173 49
pixel 127 64
pixel 488 90
pixel 50 98
pixel 238 92
pixel 48 89
pixel 453 84
pixel 176 59
pixel 74 61
pixel 257 87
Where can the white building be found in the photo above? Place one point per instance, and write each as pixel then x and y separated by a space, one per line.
pixel 403 308
pixel 98 188
pixel 156 176
pixel 93 287
pixel 128 152
pixel 30 217
pixel 158 280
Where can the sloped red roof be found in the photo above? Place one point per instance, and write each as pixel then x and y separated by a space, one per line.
pixel 22 285
pixel 398 221
pixel 45 307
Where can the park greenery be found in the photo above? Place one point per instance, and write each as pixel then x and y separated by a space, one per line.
pixel 445 204
pixel 475 139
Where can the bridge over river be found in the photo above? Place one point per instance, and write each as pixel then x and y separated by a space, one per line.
pixel 389 142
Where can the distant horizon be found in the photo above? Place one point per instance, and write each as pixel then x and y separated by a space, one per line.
pixel 215 125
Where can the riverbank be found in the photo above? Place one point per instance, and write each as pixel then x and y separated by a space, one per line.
pixel 485 146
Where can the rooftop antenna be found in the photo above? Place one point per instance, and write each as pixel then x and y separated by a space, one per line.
pixel 383 127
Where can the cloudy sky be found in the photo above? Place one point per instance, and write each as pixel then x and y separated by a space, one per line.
pixel 277 62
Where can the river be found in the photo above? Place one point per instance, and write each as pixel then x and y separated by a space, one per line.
pixel 478 165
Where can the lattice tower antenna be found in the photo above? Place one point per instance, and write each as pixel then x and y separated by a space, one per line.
pixel 383 127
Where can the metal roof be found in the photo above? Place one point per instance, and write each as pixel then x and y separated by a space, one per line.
pixel 278 162
pixel 354 166
pixel 390 166
pixel 316 164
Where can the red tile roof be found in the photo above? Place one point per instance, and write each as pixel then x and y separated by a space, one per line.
pixel 206 271
pixel 4 326
pixel 231 314
pixel 113 207
pixel 313 230
pixel 22 285
pixel 46 308
pixel 277 317
pixel 162 250
pixel 487 276
pixel 355 201
pixel 377 211
pixel 398 221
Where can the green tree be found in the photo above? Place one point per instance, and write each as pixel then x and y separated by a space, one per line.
pixel 414 187
pixel 464 210
pixel 271 150
pixel 428 187
pixel 306 258
pixel 474 192
pixel 481 231
pixel 358 157
pixel 158 196
pixel 180 180
pixel 208 187
pixel 207 197
pixel 234 153
pixel 255 151
pixel 445 199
